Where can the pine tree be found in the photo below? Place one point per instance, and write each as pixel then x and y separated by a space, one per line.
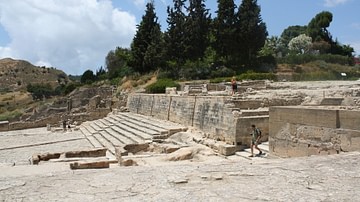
pixel 251 32
pixel 223 29
pixel 145 42
pixel 174 36
pixel 196 30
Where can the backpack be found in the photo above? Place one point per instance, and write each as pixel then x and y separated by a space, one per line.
pixel 258 131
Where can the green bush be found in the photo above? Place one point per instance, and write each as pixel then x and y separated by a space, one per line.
pixel 10 115
pixel 256 76
pixel 40 91
pixel 160 85
pixel 222 72
pixel 306 58
pixel 315 76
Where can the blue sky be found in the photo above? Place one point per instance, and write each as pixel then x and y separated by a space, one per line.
pixel 76 35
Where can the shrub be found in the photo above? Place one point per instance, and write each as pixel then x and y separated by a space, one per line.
pixel 160 85
pixel 256 76
pixel 10 115
pixel 306 58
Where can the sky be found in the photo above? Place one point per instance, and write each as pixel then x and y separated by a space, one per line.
pixel 76 35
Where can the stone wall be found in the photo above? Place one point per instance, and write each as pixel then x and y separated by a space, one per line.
pixel 243 129
pixel 207 113
pixel 4 125
pixel 305 131
pixel 56 119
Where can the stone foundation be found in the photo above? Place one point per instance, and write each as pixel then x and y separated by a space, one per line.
pixel 211 114
pixel 305 131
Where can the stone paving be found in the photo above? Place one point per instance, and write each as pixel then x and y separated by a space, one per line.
pixel 321 178
pixel 211 178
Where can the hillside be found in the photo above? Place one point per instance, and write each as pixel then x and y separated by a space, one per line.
pixel 17 74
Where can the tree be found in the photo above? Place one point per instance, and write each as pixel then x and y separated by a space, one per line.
pixel 300 44
pixel 88 77
pixel 174 36
pixel 117 62
pixel 223 29
pixel 251 32
pixel 40 91
pixel 316 29
pixel 145 42
pixel 292 32
pixel 196 30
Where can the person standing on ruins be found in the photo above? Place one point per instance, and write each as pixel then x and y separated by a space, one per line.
pixel 255 139
pixel 233 85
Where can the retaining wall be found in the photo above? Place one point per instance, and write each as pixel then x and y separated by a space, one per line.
pixel 211 114
pixel 305 131
pixel 207 113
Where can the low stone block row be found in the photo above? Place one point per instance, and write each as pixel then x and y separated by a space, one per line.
pixel 121 129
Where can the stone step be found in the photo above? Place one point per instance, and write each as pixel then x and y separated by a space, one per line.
pixel 148 127
pixel 84 131
pixel 100 124
pixel 105 143
pixel 158 125
pixel 140 132
pixel 93 141
pixel 105 122
pixel 88 127
pixel 110 120
pixel 129 134
pixel 95 126
pixel 129 126
pixel 125 140
pixel 114 141
pixel 167 125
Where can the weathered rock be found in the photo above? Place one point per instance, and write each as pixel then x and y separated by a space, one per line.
pixel 87 153
pixel 134 148
pixel 47 156
pixel 127 162
pixel 35 159
pixel 226 149
pixel 182 154
pixel 89 165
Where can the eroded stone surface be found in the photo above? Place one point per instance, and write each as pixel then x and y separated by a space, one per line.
pixel 317 178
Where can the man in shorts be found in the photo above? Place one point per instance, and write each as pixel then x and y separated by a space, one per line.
pixel 255 140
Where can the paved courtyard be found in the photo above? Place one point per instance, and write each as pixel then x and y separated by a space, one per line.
pixel 212 178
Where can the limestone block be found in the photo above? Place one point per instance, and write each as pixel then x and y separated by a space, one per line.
pixel 278 147
pixel 35 159
pixel 119 152
pixel 227 150
pixel 89 165
pixel 134 148
pixel 181 154
pixel 312 150
pixel 349 119
pixel 297 149
pixel 97 152
pixel 47 156
pixel 346 142
pixel 171 148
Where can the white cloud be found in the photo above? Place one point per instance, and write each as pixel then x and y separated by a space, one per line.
pixel 72 35
pixel 333 3
pixel 139 3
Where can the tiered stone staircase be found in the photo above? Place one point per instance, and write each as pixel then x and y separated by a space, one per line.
pixel 121 129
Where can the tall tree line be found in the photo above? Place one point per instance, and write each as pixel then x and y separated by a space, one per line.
pixel 192 37
pixel 195 43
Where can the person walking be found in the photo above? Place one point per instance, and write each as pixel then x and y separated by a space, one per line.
pixel 255 139
pixel 233 85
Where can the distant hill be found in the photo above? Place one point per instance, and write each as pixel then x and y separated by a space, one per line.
pixel 17 74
